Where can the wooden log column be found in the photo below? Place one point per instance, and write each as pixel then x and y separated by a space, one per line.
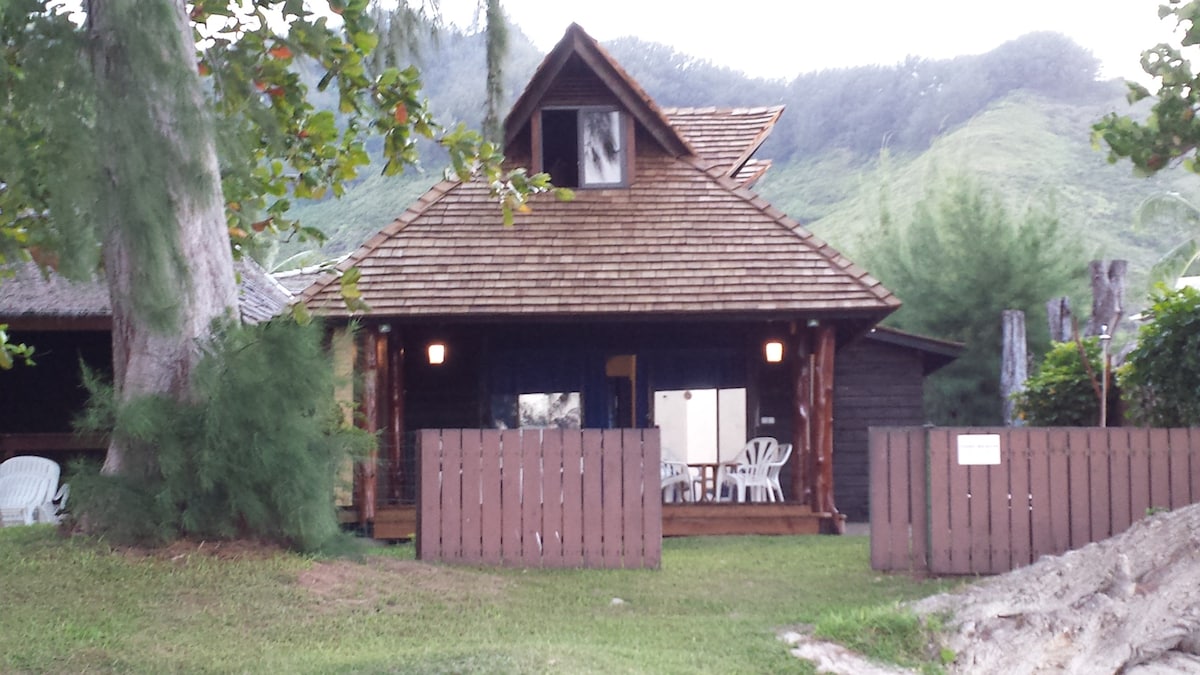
pixel 365 478
pixel 395 412
pixel 800 349
pixel 821 424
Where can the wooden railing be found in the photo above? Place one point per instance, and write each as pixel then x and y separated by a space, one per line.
pixel 540 498
pixel 1053 490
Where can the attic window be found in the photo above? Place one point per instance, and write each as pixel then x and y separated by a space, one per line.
pixel 583 147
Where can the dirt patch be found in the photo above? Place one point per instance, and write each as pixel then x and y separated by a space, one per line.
pixel 1128 604
pixel 378 579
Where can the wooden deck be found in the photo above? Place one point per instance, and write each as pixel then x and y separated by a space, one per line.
pixel 679 520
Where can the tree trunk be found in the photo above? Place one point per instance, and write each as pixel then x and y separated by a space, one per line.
pixel 1058 311
pixel 1108 295
pixel 1013 362
pixel 162 207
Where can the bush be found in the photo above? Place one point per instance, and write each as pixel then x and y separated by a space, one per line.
pixel 1061 394
pixel 1161 376
pixel 253 454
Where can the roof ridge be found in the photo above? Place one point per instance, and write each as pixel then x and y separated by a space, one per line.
pixel 815 243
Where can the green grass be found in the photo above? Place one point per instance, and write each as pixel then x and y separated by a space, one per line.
pixel 73 605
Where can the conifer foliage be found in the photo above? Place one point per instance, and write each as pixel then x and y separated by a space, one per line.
pixel 254 454
pixel 959 261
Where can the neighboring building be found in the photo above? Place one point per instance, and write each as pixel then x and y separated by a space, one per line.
pixel 69 323
pixel 665 273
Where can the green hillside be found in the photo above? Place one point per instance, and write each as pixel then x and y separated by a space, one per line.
pixel 1025 147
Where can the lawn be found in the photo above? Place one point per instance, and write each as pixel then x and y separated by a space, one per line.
pixel 717 604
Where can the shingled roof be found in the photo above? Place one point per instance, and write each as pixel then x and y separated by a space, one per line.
pixel 727 136
pixel 685 239
pixel 30 294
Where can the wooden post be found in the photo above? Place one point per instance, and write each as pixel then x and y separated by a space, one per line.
pixel 799 346
pixel 822 424
pixel 395 414
pixel 1013 362
pixel 365 476
pixel 344 355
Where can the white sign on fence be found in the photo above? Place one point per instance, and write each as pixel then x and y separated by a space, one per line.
pixel 976 449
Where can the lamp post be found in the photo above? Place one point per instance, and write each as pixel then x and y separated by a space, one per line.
pixel 1105 338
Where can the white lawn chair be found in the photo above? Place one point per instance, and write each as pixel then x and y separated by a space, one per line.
pixel 29 491
pixel 775 493
pixel 676 481
pixel 749 474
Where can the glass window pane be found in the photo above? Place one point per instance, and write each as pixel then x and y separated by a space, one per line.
pixel 601 144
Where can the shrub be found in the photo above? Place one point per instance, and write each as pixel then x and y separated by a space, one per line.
pixel 1161 376
pixel 1061 394
pixel 253 454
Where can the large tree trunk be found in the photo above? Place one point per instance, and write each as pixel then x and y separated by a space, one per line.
pixel 1013 363
pixel 149 92
pixel 1108 295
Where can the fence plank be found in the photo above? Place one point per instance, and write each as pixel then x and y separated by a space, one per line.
pixel 1100 497
pixel 510 496
pixel 428 495
pixel 918 506
pixel 886 487
pixel 593 499
pixel 1000 508
pixel 1160 469
pixel 472 496
pixel 960 507
pixel 552 497
pixel 939 501
pixel 611 461
pixel 1079 488
pixel 1120 479
pixel 1194 454
pixel 1019 541
pixel 650 493
pixel 978 507
pixel 1041 502
pixel 531 498
pixel 490 476
pixel 572 511
pixel 632 471
pixel 1181 469
pixel 452 461
pixel 1060 497
pixel 1139 473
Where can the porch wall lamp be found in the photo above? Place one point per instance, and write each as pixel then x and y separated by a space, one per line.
pixel 773 351
pixel 437 353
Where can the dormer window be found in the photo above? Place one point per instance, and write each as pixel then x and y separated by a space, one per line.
pixel 584 147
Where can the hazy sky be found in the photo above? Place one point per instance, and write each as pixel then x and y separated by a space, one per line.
pixel 782 38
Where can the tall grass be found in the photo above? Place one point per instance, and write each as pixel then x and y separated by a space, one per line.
pixel 717 604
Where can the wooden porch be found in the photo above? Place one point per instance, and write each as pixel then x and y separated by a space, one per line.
pixel 395 523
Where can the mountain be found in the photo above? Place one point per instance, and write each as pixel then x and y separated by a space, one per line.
pixel 1018 117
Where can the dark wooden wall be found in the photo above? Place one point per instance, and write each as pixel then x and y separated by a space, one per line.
pixel 45 398
pixel 877 384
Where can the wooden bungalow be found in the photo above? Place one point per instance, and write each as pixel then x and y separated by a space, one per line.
pixel 666 273
pixel 69 323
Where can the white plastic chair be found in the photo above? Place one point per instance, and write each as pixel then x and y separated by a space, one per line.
pixel 29 491
pixel 749 474
pixel 775 490
pixel 676 481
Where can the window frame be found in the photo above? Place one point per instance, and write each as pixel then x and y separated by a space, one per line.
pixel 623 149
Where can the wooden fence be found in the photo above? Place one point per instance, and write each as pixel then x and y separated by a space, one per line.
pixel 935 507
pixel 540 498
